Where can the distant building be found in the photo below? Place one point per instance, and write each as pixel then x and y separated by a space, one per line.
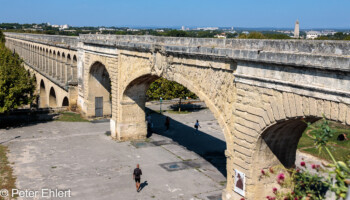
pixel 132 29
pixel 183 28
pixel 65 26
pixel 61 27
pixel 221 36
pixel 208 28
pixel 296 29
pixel 312 34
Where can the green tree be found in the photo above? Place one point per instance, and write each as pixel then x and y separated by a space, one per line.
pixel 17 87
pixel 242 36
pixel 168 90
pixel 177 33
pixel 2 37
pixel 255 35
pixel 278 36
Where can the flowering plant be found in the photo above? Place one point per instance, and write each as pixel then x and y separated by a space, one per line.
pixel 300 183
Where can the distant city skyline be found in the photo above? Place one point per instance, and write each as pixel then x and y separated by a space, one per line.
pixel 190 13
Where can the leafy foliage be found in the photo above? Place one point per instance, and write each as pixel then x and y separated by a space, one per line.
pixel 336 36
pixel 168 90
pixel 2 37
pixel 255 35
pixel 259 35
pixel 277 36
pixel 17 87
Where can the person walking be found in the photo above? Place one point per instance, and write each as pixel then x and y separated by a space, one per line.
pixel 137 176
pixel 167 123
pixel 196 126
pixel 149 122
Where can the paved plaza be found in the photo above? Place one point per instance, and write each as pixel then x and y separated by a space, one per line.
pixel 82 157
pixel 177 164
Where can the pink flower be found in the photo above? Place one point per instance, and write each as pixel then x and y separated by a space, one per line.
pixel 295 198
pixel 280 178
pixel 317 167
pixel 302 164
pixel 268 197
pixel 242 198
pixel 274 190
pixel 262 172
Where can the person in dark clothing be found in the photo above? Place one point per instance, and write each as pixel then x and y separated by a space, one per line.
pixel 196 126
pixel 137 176
pixel 167 123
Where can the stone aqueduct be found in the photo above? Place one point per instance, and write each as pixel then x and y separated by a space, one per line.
pixel 260 91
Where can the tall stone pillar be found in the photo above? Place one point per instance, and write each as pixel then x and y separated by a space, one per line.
pixel 40 60
pixel 46 62
pixel 36 58
pixel 54 74
pixel 74 73
pixel 69 72
pixel 30 56
pixel 50 64
pixel 59 65
pixel 64 73
pixel 73 94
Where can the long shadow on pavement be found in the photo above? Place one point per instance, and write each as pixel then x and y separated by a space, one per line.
pixel 208 147
pixel 142 185
pixel 25 117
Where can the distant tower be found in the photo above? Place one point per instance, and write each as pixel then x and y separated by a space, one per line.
pixel 296 29
pixel 183 28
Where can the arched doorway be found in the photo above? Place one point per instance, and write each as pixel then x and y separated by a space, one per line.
pixel 65 102
pixel 99 94
pixel 52 98
pixel 43 95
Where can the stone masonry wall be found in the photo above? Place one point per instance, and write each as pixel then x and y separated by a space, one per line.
pixel 258 109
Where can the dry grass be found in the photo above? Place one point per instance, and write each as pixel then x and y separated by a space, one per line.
pixel 7 180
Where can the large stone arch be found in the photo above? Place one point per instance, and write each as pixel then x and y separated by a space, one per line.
pixel 216 93
pixel 43 95
pixel 267 129
pixel 52 98
pixel 209 79
pixel 99 87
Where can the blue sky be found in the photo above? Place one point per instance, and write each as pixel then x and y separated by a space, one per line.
pixel 168 13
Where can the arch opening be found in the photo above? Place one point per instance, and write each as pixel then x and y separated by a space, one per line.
pixel 280 144
pixel 132 123
pixel 65 102
pixel 282 140
pixel 99 92
pixel 43 96
pixel 52 98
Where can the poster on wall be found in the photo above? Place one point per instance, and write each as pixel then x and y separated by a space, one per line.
pixel 239 182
